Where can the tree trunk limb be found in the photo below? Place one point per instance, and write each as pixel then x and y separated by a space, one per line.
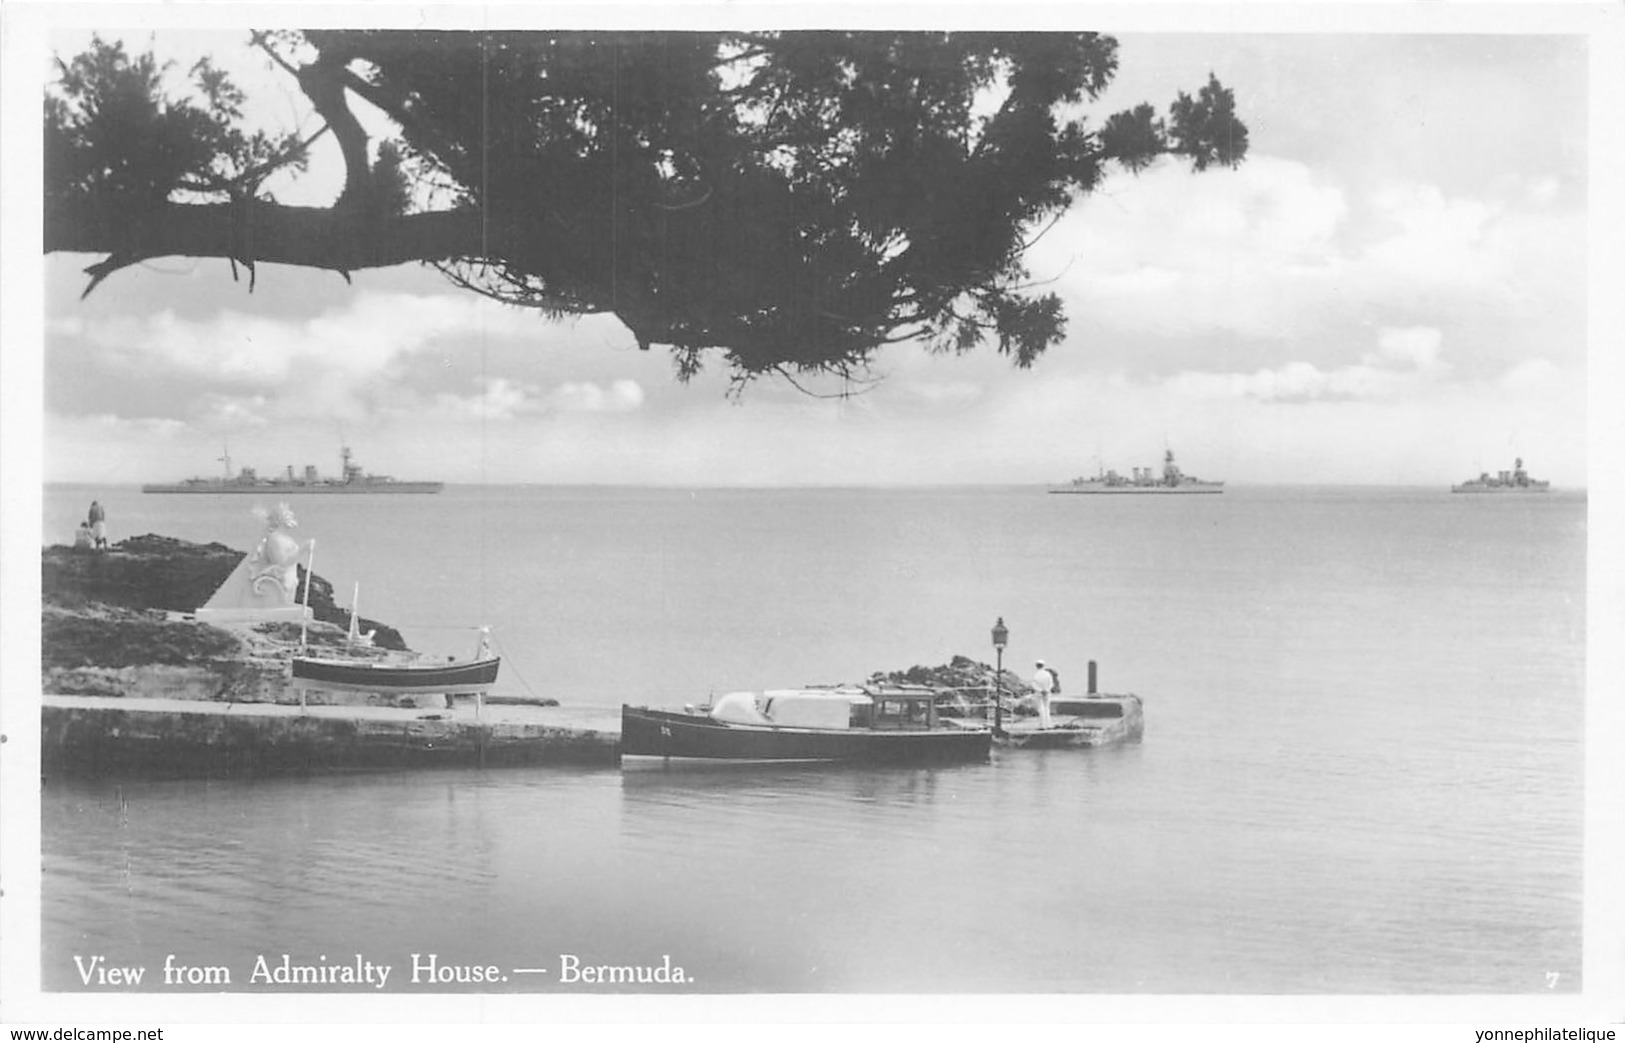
pixel 253 232
pixel 323 84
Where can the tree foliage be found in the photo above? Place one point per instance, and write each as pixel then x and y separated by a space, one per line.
pixel 792 200
pixel 110 132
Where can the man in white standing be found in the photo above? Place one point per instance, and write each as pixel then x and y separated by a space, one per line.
pixel 1043 684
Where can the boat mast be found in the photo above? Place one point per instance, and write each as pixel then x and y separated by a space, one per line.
pixel 310 567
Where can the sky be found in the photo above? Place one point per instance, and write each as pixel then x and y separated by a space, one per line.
pixel 1391 289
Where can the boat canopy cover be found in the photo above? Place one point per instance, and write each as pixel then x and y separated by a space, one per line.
pixel 799 708
pixel 738 707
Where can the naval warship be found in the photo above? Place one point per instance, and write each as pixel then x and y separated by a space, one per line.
pixel 1142 480
pixel 352 480
pixel 1516 480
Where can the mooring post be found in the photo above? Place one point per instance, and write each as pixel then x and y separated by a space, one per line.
pixel 1091 677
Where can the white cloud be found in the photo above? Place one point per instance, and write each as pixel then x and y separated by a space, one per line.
pixel 1544 191
pixel 1405 362
pixel 1512 255
pixel 1276 251
pixel 950 392
pixel 1415 346
pixel 234 413
pixel 1172 253
pixel 1431 237
pixel 350 344
pixel 1146 279
pixel 498 399
pixel 108 425
pixel 1530 375
pixel 620 396
pixel 1295 381
pixel 107 448
pixel 359 361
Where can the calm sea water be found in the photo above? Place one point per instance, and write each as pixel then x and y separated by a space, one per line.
pixel 1361 770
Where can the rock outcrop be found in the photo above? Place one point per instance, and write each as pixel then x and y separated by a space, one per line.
pixel 136 687
pixel 964 684
pixel 961 672
pixel 112 623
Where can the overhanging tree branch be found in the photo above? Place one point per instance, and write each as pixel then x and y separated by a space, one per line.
pixel 310 237
pixel 791 201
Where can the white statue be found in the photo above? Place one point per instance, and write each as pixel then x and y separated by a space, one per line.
pixel 265 584
pixel 274 565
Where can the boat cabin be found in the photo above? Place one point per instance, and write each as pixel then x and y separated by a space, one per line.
pixel 899 707
pixel 882 707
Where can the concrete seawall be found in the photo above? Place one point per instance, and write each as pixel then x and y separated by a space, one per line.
pixel 102 736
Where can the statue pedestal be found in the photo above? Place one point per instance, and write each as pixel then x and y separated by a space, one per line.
pixel 254 614
pixel 256 593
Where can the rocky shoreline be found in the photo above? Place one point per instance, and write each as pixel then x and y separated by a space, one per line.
pixel 114 623
pixel 133 685
pixel 125 606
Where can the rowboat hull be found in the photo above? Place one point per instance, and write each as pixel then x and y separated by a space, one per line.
pixel 474 675
pixel 675 734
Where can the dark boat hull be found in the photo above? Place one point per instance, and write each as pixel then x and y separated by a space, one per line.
pixel 666 733
pixel 474 674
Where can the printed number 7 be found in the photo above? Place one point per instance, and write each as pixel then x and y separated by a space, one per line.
pixel 1551 979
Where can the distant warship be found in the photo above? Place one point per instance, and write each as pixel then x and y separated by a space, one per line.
pixel 1516 480
pixel 1142 480
pixel 353 480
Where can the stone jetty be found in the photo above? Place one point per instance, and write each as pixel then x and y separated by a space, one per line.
pixel 1083 719
pixel 150 737
pixel 136 684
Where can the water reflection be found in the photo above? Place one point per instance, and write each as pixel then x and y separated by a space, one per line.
pixel 682 782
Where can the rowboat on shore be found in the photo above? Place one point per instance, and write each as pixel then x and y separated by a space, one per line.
pixel 873 724
pixel 475 676
pixel 364 670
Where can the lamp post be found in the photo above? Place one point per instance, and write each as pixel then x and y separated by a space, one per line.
pixel 1001 637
